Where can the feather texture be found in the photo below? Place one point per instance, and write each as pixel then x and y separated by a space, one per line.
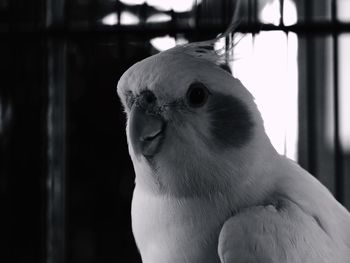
pixel 212 188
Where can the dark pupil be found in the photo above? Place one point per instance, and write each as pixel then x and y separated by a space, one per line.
pixel 197 96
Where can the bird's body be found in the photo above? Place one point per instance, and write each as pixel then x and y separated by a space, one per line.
pixel 209 185
pixel 193 234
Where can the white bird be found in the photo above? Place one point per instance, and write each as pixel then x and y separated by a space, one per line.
pixel 209 185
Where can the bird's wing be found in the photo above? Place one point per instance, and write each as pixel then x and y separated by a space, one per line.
pixel 278 233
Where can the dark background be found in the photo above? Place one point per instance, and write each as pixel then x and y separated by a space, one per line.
pixel 66 178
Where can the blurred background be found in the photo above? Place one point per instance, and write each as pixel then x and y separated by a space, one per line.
pixel 66 180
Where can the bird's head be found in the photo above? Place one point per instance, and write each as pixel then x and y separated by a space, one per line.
pixel 192 128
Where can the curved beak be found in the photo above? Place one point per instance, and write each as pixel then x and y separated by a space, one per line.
pixel 146 131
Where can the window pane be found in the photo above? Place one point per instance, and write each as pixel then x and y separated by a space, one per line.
pixel 343 10
pixel 269 11
pixel 267 64
pixel 290 16
pixel 316 100
pixel 313 10
pixel 87 13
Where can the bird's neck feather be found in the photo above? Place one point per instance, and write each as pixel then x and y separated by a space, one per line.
pixel 233 176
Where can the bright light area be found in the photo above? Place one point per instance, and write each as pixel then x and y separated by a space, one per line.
pixel 270 13
pixel 290 16
pixel 166 5
pixel 132 2
pixel 127 18
pixel 181 6
pixel 343 10
pixel 110 20
pixel 180 40
pixel 167 42
pixel 162 5
pixel 178 6
pixel 267 66
pixel 220 44
pixel 344 91
pixel 158 18
pixel 163 43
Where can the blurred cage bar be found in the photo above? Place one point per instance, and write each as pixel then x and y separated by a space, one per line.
pixel 65 174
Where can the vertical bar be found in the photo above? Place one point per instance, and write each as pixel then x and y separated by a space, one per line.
pixel 229 46
pixel 344 110
pixel 281 12
pixel 337 144
pixel 56 137
pixel 118 11
pixel 6 132
pixel 12 15
pixel 223 14
pixel 196 15
pixel 56 150
pixel 255 11
pixel 310 96
pixel 303 145
pixel 92 11
pixel 250 21
pixel 143 14
pixel 55 15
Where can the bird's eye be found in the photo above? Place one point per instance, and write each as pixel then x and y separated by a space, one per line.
pixel 197 94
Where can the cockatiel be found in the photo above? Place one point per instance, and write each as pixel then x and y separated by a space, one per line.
pixel 209 185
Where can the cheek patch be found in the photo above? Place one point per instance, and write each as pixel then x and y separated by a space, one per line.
pixel 231 124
